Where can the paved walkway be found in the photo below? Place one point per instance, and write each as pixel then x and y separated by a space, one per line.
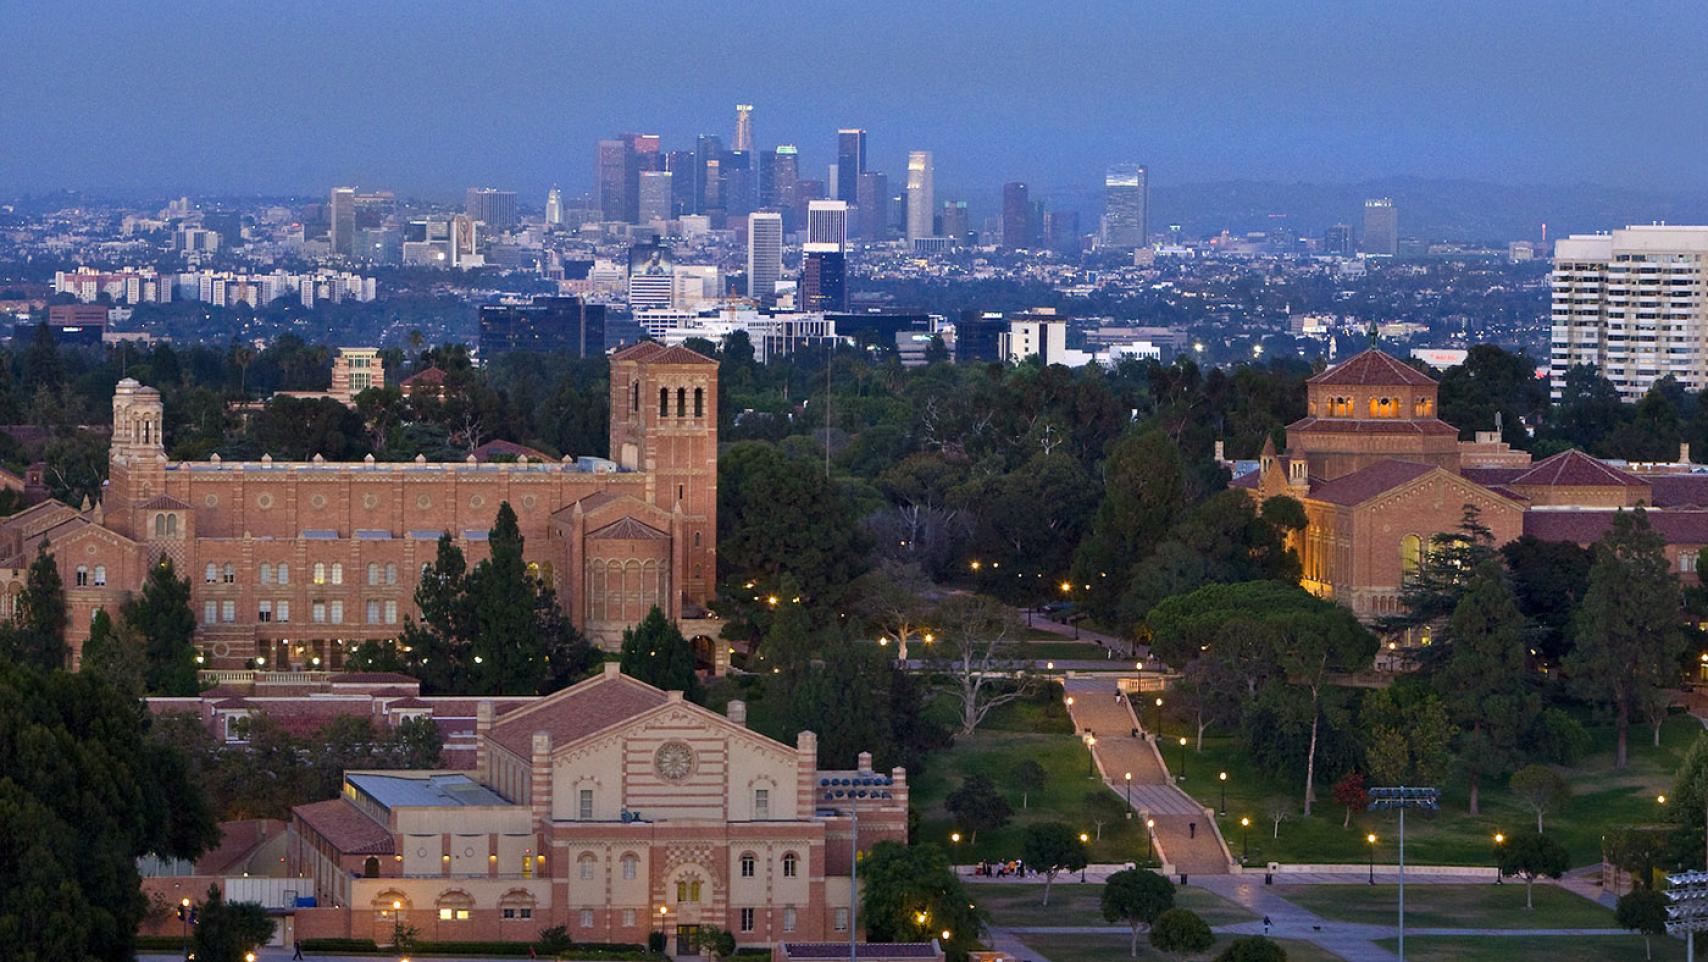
pixel 1185 831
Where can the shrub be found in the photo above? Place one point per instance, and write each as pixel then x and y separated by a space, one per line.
pixel 1252 948
pixel 1560 738
pixel 1180 932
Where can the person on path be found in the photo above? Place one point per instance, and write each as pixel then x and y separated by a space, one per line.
pixel 298 953
pixel 1266 925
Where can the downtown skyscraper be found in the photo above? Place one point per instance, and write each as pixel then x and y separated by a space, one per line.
pixel 764 256
pixel 495 208
pixel 342 213
pixel 850 163
pixel 1125 207
pixel 743 128
pixel 1016 216
pixel 921 195
pixel 1381 226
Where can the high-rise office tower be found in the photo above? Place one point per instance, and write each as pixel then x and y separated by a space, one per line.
pixel 806 191
pixel 1338 240
pixel 554 207
pixel 737 188
pixel 343 220
pixel 764 255
pixel 1061 231
pixel 778 171
pixel 651 276
pixel 921 196
pixel 1016 216
pixel 1125 207
pixel 680 163
pixel 955 223
pixel 656 191
pixel 496 208
pixel 1381 226
pixel 872 197
pixel 850 163
pixel 611 177
pixel 827 225
pixel 707 149
pixel 1631 303
pixel 824 280
pixel 744 127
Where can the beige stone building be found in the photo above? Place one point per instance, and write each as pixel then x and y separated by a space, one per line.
pixel 292 563
pixel 612 808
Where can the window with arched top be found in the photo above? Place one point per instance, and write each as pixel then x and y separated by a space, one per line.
pixel 681 402
pixel 100 575
pixel 284 573
pixel 663 402
pixel 688 890
pixel 1411 556
pixel 320 572
pixel 229 574
pixel 172 526
pixel 391 573
pixel 631 866
pixel 160 526
pixel 373 572
pixel 337 572
pixel 791 864
pixel 82 576
pixel 210 574
pixel 586 866
pixel 699 402
pixel 371 867
pixel 634 396
pixel 1422 407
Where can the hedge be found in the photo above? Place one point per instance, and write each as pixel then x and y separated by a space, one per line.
pixel 589 951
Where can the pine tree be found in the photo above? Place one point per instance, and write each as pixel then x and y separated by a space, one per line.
pixel 504 644
pixel 115 652
pixel 787 646
pixel 161 614
pixel 37 636
pixel 1485 678
pixel 1433 589
pixel 655 652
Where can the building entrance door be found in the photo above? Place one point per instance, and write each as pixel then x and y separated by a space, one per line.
pixel 687 940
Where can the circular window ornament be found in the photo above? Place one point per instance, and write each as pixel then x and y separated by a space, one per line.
pixel 528 501
pixel 478 501
pixel 211 500
pixel 423 502
pixel 370 501
pixel 264 502
pixel 317 501
pixel 674 761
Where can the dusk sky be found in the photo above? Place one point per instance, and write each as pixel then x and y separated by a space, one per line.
pixel 431 97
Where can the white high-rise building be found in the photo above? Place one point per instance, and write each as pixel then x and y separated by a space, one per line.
pixel 655 193
pixel 827 225
pixel 921 196
pixel 1124 207
pixel 764 255
pixel 1634 303
pixel 342 217
pixel 554 208
pixel 743 128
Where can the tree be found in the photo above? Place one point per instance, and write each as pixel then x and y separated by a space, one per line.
pixel 718 943
pixel 1145 488
pixel 1628 628
pixel 1252 948
pixel 1349 794
pixel 973 658
pixel 1541 788
pixel 1643 911
pixel 788 642
pixel 37 635
pixel 1181 932
pixel 505 653
pixel 655 652
pixel 1484 679
pixel 115 653
pixel 1432 589
pixel 935 350
pixel 1278 809
pixel 776 515
pixel 1137 897
pixel 1532 855
pixel 83 795
pixel 978 805
pixel 1409 736
pixel 1549 578
pixel 891 599
pixel 1690 788
pixel 161 614
pixel 911 894
pixel 1312 646
pixel 1029 777
pixel 227 931
pixel 1051 848
pixel 554 942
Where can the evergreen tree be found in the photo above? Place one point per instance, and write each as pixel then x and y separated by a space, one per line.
pixel 655 652
pixel 43 367
pixel 1145 488
pixel 115 653
pixel 1628 629
pixel 227 931
pixel 787 646
pixel 1433 588
pixel 161 614
pixel 37 635
pixel 910 893
pixel 504 644
pixel 1484 679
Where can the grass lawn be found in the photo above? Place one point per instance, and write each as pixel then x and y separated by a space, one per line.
pixel 1107 948
pixel 1452 906
pixel 1602 798
pixel 1074 904
pixel 1588 948
pixel 1038 729
pixel 1066 649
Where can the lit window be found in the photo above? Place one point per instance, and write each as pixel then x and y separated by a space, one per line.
pixel 320 572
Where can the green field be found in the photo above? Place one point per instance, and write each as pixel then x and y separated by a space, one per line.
pixel 1452 906
pixel 1038 729
pixel 1072 903
pixel 1516 948
pixel 1092 947
pixel 1602 798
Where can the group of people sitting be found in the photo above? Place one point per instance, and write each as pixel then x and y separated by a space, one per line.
pixel 1012 867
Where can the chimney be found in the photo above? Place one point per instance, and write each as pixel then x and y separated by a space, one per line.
pixel 1221 455
pixel 737 711
pixel 482 728
pixel 1684 452
pixel 612 669
pixel 865 763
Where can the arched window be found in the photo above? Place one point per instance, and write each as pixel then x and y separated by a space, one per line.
pixel 284 573
pixel 371 867
pixel 663 402
pixel 391 573
pixel 320 572
pixel 585 866
pixel 791 864
pixel 337 572
pixel 1421 407
pixel 748 864
pixel 681 402
pixel 1411 555
pixel 82 576
pixel 631 866
pixel 699 402
pixel 160 526
pixel 266 573
pixel 373 572
pixel 210 574
pixel 229 575
pixel 172 526
pixel 688 890
pixel 634 396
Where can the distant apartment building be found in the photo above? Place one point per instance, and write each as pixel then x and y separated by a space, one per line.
pixel 1634 303
pixel 494 208
pixel 1381 227
pixel 129 285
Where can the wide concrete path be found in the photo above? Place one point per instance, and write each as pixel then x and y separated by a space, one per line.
pixel 1184 829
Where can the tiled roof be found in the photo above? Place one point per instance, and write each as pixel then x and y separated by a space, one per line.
pixel 576 712
pixel 1587 527
pixel 1577 469
pixel 377 677
pixel 1492 476
pixel 638 351
pixel 1360 486
pixel 1678 490
pixel 344 825
pixel 863 950
pixel 165 502
pixel 1246 480
pixel 627 529
pixel 679 355
pixel 1373 367
pixel 1372 426
pixel 427 375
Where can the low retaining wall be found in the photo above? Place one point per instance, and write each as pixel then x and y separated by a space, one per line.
pixel 1483 873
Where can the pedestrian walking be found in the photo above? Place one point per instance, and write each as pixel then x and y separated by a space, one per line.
pixel 298 953
pixel 1266 925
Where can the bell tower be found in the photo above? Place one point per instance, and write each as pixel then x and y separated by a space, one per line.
pixel 136 469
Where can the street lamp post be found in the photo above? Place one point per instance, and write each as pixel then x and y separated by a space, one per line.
pixel 1159 720
pixel 1150 827
pixel 1371 839
pixel 1183 758
pixel 1084 840
pixel 1500 839
pixel 1402 798
pixel 1129 778
pixel 1244 838
pixel 1223 778
pixel 184 916
pixel 1091 756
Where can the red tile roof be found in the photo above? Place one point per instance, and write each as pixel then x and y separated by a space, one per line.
pixel 1576 469
pixel 1373 367
pixel 679 355
pixel 1491 476
pixel 427 375
pixel 345 827
pixel 1372 426
pixel 1678 490
pixel 639 351
pixel 576 712
pixel 1360 486
pixel 1587 527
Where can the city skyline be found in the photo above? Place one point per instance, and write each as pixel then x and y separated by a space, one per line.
pixel 363 118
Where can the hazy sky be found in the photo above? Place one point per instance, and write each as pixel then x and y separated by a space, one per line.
pixel 429 97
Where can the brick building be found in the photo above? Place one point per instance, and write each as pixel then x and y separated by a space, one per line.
pixel 612 808
pixel 291 563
